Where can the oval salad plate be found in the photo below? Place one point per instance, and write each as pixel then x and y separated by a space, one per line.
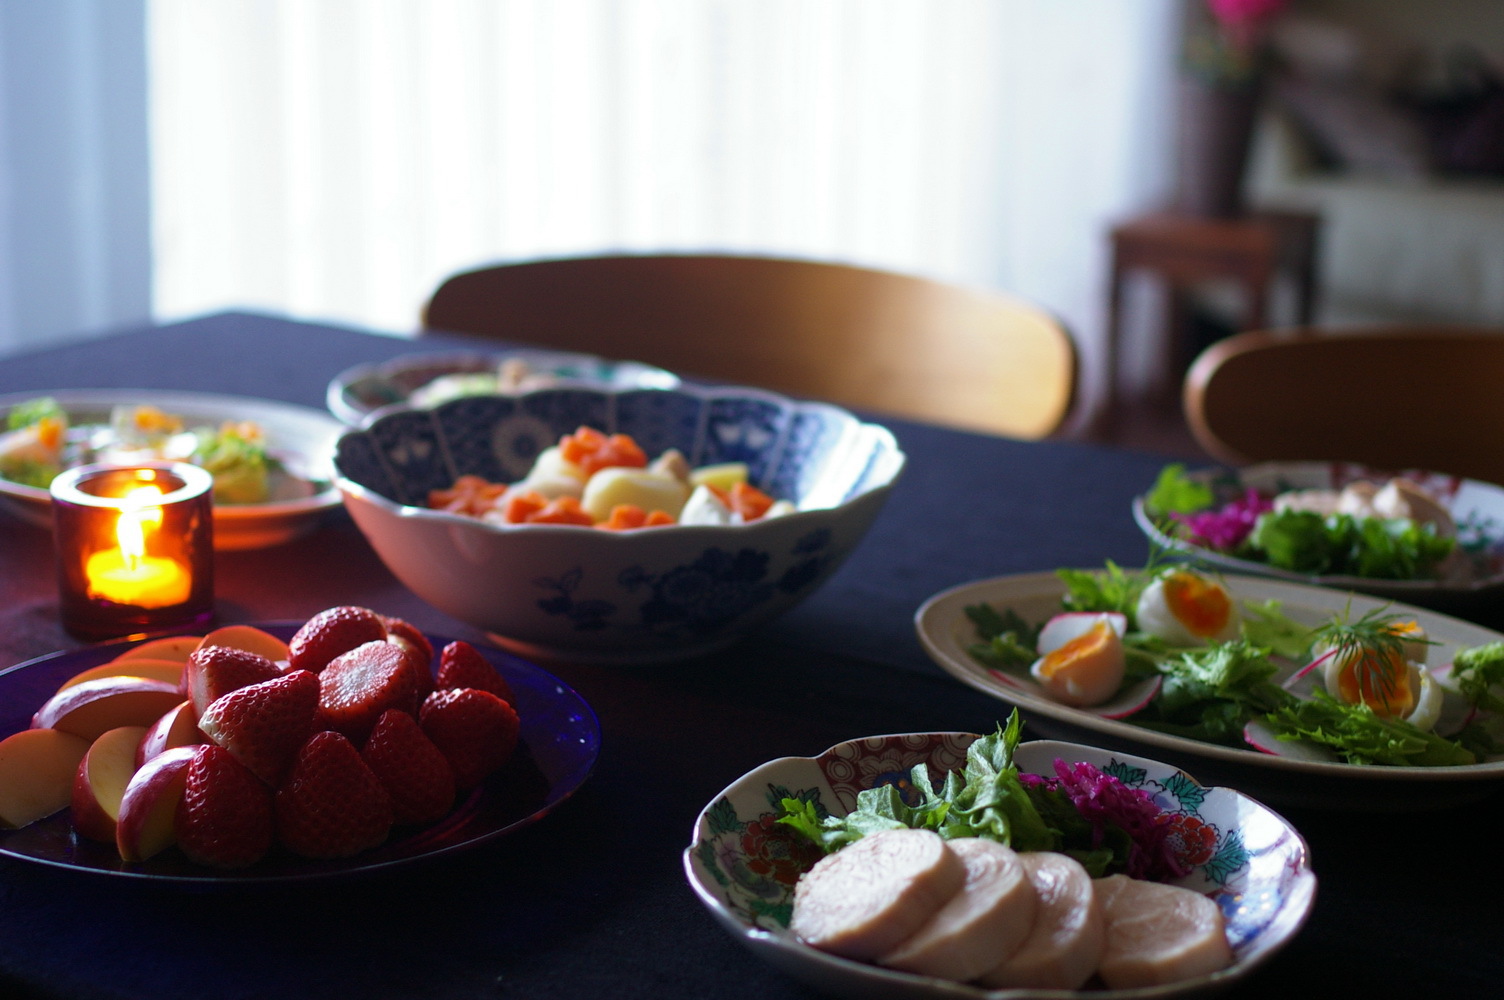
pixel 947 634
pixel 560 740
pixel 429 379
pixel 1476 507
pixel 300 438
pixel 744 865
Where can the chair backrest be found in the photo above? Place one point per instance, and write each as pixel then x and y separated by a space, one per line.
pixel 1392 397
pixel 862 338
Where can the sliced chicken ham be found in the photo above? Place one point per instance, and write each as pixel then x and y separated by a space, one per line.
pixel 1158 933
pixel 990 916
pixel 866 899
pixel 1065 944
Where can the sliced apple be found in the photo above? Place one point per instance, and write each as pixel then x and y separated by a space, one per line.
pixel 100 781
pixel 170 671
pixel 172 647
pixel 148 809
pixel 92 707
pixel 37 767
pixel 178 727
pixel 247 637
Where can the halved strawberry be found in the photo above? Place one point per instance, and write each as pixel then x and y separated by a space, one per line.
pixel 475 730
pixel 412 770
pixel 331 632
pixel 359 685
pixel 264 724
pixel 224 818
pixel 417 646
pixel 331 805
pixel 213 671
pixel 462 666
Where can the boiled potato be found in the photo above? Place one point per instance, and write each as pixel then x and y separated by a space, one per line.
pixel 640 487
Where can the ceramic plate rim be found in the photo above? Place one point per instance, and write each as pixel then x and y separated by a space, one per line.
pixel 210 405
pixel 937 621
pixel 875 980
pixel 582 766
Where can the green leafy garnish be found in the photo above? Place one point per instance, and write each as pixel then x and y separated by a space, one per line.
pixel 1265 624
pixel 1211 693
pixel 1479 675
pixel 1363 737
pixel 34 411
pixel 1110 589
pixel 1304 541
pixel 1176 493
pixel 238 462
pixel 1008 642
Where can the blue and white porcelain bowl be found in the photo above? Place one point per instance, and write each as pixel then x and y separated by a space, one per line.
pixel 561 592
pixel 744 865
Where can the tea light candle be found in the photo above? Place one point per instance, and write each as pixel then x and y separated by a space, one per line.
pixel 134 548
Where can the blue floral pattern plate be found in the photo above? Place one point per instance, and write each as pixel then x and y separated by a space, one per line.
pixel 744 865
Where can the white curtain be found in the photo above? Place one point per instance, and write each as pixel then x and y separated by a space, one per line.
pixel 337 158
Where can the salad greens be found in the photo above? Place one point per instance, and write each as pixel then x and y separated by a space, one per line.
pixel 1211 692
pixel 1301 541
pixel 1082 811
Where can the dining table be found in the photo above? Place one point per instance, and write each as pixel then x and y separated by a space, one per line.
pixel 592 899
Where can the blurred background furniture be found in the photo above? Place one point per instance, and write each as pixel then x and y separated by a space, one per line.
pixel 1186 253
pixel 868 339
pixel 1394 397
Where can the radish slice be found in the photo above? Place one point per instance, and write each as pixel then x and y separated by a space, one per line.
pixel 1069 625
pixel 1129 700
pixel 1257 734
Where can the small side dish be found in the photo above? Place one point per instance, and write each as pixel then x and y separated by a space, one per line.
pixel 949 865
pixel 1170 649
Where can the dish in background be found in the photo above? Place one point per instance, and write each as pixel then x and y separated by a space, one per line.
pixel 947 633
pixel 559 744
pixel 299 437
pixel 1251 860
pixel 580 594
pixel 357 392
pixel 1476 507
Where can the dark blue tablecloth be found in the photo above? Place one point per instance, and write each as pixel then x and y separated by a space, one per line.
pixel 593 901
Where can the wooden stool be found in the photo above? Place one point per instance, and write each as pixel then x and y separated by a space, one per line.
pixel 1186 251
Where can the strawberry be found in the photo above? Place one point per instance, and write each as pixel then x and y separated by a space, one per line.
pixel 462 666
pixel 217 670
pixel 359 685
pixel 412 770
pixel 331 805
pixel 474 729
pixel 330 633
pixel 418 648
pixel 264 724
pixel 224 818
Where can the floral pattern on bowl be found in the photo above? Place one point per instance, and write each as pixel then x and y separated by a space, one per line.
pixel 743 864
pixel 560 591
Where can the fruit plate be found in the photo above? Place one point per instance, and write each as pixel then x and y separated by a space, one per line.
pixel 1476 507
pixel 947 633
pixel 357 392
pixel 299 437
pixel 560 741
pixel 743 865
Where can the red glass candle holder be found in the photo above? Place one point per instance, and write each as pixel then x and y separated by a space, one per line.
pixel 135 548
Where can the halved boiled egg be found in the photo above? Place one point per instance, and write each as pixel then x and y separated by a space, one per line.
pixel 1386 681
pixel 1184 608
pixel 1083 659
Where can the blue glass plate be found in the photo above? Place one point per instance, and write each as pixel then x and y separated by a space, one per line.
pixel 559 744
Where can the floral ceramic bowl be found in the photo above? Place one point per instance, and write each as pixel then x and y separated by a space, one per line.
pixel 564 592
pixel 743 864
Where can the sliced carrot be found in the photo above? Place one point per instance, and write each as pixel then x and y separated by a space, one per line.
pixel 592 451
pixel 562 510
pixel 468 495
pixel 624 517
pixel 658 519
pixel 521 507
pixel 749 501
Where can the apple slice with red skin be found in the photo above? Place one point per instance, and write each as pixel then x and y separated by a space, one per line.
pixel 148 809
pixel 37 767
pixel 178 727
pixel 93 707
pixel 169 671
pixel 249 638
pixel 100 781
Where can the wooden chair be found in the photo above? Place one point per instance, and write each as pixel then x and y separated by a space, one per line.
pixel 1393 397
pixel 866 339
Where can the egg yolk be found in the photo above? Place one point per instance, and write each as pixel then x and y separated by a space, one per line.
pixel 1201 605
pixel 1382 682
pixel 1087 669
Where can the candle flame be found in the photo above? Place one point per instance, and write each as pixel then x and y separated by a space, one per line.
pixel 137 510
